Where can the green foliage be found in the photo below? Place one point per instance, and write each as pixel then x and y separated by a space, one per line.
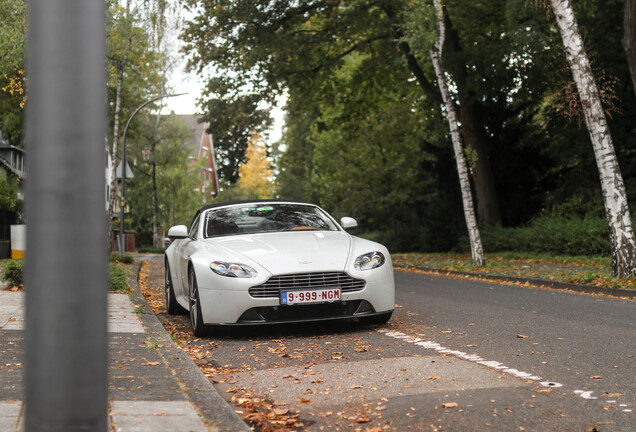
pixel 233 119
pixel 363 140
pixel 366 144
pixel 12 79
pixel 117 278
pixel 150 249
pixel 163 169
pixel 123 259
pixel 13 272
pixel 556 235
pixel 9 188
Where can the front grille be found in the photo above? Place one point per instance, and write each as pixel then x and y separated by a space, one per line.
pixel 276 284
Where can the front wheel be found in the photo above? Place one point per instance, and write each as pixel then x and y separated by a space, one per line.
pixel 376 319
pixel 196 318
pixel 172 306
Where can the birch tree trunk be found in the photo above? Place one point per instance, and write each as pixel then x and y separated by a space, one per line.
pixel 115 147
pixel 451 114
pixel 114 151
pixel 617 213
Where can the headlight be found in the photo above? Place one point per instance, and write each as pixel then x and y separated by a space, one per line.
pixel 232 269
pixel 369 261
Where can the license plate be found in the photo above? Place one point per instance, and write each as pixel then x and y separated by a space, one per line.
pixel 309 296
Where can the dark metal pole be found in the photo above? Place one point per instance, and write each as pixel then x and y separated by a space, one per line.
pixel 122 237
pixel 66 346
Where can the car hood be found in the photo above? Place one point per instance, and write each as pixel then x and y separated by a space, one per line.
pixel 289 252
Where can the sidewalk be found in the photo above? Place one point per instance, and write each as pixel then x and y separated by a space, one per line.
pixel 153 384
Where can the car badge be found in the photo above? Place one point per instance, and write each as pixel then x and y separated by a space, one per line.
pixel 304 262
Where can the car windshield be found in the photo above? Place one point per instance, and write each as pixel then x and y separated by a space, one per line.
pixel 262 218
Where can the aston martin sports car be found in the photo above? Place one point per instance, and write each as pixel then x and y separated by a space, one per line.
pixel 262 262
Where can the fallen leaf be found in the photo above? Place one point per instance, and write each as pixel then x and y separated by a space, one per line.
pixel 520 336
pixel 280 411
pixel 362 419
pixel 303 400
pixel 449 404
pixel 596 377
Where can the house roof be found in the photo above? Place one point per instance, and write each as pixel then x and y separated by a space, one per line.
pixel 196 129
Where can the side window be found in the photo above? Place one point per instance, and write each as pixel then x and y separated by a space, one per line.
pixel 194 228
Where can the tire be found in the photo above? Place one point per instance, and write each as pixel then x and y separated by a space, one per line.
pixel 196 319
pixel 172 306
pixel 376 319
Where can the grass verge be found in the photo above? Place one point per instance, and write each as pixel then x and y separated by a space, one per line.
pixel 592 271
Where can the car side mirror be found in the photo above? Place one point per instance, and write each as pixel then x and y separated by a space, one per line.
pixel 178 232
pixel 348 222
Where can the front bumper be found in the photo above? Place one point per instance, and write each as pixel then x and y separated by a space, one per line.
pixel 232 304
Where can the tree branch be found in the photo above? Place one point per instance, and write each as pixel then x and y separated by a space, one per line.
pixel 404 47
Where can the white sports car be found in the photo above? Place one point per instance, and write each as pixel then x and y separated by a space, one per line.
pixel 274 262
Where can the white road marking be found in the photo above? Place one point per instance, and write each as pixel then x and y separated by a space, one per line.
pixel 489 363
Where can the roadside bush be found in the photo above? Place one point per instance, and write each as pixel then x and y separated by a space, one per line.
pixel 150 249
pixel 124 259
pixel 556 235
pixel 13 272
pixel 118 278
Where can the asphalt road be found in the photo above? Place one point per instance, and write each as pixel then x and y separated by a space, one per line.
pixel 459 355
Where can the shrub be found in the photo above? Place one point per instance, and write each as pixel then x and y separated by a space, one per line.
pixel 150 249
pixel 118 278
pixel 13 272
pixel 124 259
pixel 558 235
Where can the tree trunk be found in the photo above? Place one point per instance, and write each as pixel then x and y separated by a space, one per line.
pixel 616 209
pixel 629 38
pixel 115 147
pixel 475 138
pixel 451 114
pixel 155 205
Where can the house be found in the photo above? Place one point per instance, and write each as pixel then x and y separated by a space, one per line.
pixel 201 146
pixel 12 161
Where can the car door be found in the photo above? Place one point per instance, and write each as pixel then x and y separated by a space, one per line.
pixel 184 250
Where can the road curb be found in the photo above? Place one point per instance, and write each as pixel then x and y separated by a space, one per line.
pixel 196 386
pixel 538 283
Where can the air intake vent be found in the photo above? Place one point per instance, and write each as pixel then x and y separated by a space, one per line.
pixel 274 285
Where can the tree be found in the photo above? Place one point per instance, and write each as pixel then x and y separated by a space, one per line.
pixel 366 144
pixel 255 175
pixel 162 193
pixel 629 38
pixel 451 113
pixel 232 120
pixel 12 78
pixel 9 188
pixel 294 45
pixel 470 109
pixel 617 212
pixel 138 67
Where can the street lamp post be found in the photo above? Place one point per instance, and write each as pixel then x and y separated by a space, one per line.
pixel 122 237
